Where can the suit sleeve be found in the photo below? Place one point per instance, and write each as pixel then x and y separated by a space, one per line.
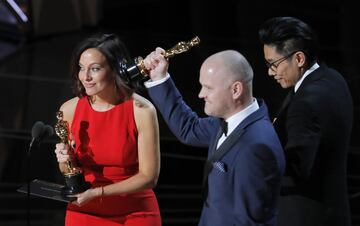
pixel 304 135
pixel 182 121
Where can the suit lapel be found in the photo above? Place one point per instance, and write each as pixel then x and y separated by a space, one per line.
pixel 315 75
pixel 213 144
pixel 208 164
pixel 233 138
pixel 227 144
pixel 215 155
pixel 237 133
pixel 284 105
pixel 212 152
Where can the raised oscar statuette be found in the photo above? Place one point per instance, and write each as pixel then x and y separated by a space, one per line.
pixel 135 70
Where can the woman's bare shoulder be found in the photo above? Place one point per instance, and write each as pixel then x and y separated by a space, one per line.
pixel 144 112
pixel 68 108
pixel 141 102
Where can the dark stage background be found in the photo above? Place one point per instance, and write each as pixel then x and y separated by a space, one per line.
pixel 34 81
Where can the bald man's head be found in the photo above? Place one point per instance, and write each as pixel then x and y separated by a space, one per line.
pixel 230 64
pixel 226 80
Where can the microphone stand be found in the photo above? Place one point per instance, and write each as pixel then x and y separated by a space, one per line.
pixel 38 132
pixel 28 180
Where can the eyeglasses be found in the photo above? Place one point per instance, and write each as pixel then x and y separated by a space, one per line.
pixel 274 65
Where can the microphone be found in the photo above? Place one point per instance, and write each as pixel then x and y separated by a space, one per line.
pixel 40 131
pixel 48 132
pixel 36 131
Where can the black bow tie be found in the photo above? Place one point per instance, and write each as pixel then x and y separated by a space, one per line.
pixel 224 126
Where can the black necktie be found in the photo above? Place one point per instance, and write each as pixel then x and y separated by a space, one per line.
pixel 224 126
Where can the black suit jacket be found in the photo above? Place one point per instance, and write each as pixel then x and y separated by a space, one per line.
pixel 315 130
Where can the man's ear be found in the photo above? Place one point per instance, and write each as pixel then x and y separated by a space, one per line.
pixel 300 58
pixel 237 89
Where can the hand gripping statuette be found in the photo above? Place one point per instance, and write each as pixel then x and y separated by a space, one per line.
pixel 135 70
pixel 74 178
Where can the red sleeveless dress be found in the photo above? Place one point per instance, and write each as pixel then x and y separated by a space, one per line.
pixel 106 149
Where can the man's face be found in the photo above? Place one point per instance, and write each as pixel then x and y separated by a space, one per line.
pixel 215 90
pixel 283 68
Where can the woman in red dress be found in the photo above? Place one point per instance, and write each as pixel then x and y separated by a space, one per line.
pixel 116 140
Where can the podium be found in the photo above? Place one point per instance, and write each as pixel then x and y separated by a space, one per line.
pixel 47 190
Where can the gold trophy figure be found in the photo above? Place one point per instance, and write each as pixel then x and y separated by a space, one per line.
pixel 74 179
pixel 181 47
pixel 136 70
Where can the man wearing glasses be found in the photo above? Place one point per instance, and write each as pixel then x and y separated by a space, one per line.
pixel 314 125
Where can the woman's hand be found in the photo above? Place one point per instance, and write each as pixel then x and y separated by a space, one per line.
pixel 83 198
pixel 64 153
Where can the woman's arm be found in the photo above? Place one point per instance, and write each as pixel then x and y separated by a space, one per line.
pixel 148 150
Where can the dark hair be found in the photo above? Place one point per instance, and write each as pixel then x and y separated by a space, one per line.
pixel 289 34
pixel 114 51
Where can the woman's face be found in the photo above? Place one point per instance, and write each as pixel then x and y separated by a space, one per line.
pixel 95 73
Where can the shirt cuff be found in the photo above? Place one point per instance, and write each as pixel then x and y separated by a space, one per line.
pixel 150 83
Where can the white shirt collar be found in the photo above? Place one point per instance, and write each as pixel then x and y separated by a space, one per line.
pixel 298 83
pixel 236 119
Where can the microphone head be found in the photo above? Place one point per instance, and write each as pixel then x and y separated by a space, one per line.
pixel 37 130
pixel 48 131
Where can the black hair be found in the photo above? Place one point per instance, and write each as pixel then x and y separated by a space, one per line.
pixel 115 53
pixel 289 34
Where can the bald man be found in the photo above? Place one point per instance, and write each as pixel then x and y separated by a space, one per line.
pixel 245 163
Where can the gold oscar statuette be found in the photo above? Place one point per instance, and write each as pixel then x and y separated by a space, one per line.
pixel 136 70
pixel 74 178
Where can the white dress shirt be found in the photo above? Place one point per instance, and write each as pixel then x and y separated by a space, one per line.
pixel 236 119
pixel 298 83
